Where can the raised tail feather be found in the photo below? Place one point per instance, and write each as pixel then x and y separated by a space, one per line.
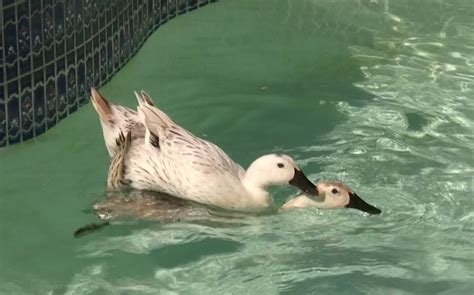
pixel 102 106
pixel 144 98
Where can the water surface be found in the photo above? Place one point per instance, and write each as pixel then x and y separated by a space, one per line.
pixel 379 94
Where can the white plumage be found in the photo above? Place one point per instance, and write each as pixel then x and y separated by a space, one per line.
pixel 171 159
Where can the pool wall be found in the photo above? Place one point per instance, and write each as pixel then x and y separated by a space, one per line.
pixel 53 51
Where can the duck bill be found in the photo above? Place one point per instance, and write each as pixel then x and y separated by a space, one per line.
pixel 356 202
pixel 303 183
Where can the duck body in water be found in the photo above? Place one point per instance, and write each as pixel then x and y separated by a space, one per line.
pixel 170 159
pixel 330 194
pixel 161 207
pixel 155 206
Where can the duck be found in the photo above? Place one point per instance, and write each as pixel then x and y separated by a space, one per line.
pixel 116 119
pixel 171 160
pixel 331 194
pixel 162 207
pixel 155 206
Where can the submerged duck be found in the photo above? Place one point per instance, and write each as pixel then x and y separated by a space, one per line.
pixel 331 194
pixel 156 206
pixel 174 161
pixel 164 208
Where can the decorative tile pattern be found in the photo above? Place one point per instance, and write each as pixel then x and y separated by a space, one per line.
pixel 53 51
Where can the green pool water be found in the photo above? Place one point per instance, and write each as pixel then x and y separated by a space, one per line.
pixel 379 94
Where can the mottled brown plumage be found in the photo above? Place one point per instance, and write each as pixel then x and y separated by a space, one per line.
pixel 116 119
pixel 115 178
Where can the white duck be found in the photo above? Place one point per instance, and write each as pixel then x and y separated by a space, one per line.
pixel 331 194
pixel 158 206
pixel 174 161
pixel 165 208
pixel 116 119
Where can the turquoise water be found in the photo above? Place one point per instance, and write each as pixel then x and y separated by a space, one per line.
pixel 379 94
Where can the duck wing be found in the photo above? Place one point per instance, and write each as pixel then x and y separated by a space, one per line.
pixel 181 146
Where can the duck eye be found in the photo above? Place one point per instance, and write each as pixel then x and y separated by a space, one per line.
pixel 280 165
pixel 334 191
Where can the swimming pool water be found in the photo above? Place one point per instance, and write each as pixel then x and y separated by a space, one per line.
pixel 379 94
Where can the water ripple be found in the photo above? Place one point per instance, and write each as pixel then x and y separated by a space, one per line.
pixel 406 149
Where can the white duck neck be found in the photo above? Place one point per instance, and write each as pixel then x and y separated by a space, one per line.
pixel 256 186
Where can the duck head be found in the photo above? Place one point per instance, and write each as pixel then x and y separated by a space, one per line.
pixel 332 194
pixel 278 169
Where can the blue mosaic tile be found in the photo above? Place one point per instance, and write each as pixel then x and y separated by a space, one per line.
pixel 12 89
pixel 79 22
pixel 89 80
pixel 203 2
pixel 38 102
pixel 3 118
pixel 7 2
pixel 13 118
pixel 81 83
pixel 37 39
pixel 181 6
pixel 171 9
pixel 110 11
pixel 59 29
pixel 12 71
pixel 3 125
pixel 96 65
pixel 103 63
pixel 53 51
pixel 26 102
pixel 51 103
pixel 87 19
pixel 71 89
pixel 35 6
pixel 1 50
pixel 48 26
pixel 157 12
pixel 2 95
pixel 109 58
pixel 69 18
pixel 150 17
pixel 23 31
pixel 192 4
pixel 164 11
pixel 116 52
pixel 11 48
pixel 62 103
pixel 94 19
pixel 24 50
pixel 125 43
